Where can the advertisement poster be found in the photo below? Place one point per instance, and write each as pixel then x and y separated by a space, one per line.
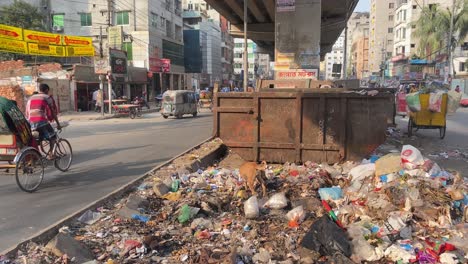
pixel 285 5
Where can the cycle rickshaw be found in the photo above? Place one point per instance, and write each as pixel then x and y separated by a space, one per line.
pixel 22 151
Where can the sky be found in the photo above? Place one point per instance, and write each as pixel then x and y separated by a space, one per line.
pixel 363 6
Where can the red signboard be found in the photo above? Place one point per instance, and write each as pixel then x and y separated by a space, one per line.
pixel 159 65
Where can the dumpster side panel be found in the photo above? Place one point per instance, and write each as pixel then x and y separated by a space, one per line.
pixel 366 126
pixel 301 126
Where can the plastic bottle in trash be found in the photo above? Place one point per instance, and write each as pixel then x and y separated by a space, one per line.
pixel 175 185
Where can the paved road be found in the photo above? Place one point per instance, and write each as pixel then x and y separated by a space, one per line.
pixel 108 154
pixel 456 138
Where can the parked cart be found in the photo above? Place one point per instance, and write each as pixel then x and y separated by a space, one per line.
pixel 426 119
pixel 131 110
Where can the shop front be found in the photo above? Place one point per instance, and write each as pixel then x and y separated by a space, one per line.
pixel 84 83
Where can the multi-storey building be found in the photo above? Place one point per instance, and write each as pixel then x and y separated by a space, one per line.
pixel 151 30
pixel 239 59
pixel 358 31
pixel 382 18
pixel 218 54
pixel 334 60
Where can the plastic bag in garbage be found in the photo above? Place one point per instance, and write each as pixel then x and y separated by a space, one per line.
pixel 297 214
pixel 411 157
pixel 251 209
pixel 333 193
pixel 359 174
pixel 412 100
pixel 453 103
pixel 277 201
pixel 327 238
pixel 435 102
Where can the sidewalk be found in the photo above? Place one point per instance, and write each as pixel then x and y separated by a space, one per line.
pixel 90 115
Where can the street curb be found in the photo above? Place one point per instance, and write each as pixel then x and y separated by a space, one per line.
pixel 97 118
pixel 50 231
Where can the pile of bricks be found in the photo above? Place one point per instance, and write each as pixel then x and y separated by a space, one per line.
pixel 15 93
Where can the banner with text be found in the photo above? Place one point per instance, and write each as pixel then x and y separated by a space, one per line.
pixel 25 41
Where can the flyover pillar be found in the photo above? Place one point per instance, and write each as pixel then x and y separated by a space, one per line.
pixel 297 39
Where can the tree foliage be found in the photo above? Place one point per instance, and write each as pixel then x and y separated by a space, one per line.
pixel 433 27
pixel 22 14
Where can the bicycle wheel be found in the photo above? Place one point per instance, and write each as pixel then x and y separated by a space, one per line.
pixel 63 155
pixel 29 171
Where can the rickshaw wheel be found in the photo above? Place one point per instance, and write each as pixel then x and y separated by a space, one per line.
pixel 132 114
pixel 165 116
pixel 29 171
pixel 410 128
pixel 195 114
pixel 442 132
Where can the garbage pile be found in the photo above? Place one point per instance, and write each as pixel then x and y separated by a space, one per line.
pixel 399 207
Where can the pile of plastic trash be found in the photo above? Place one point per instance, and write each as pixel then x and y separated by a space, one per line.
pixel 399 207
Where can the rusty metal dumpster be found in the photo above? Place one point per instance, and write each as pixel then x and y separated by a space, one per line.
pixel 298 125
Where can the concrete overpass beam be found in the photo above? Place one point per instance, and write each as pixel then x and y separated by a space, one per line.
pixel 297 36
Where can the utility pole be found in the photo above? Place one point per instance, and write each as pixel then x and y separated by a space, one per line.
pixel 110 22
pixel 101 77
pixel 246 53
pixel 450 57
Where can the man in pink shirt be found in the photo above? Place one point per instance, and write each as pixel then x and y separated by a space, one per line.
pixel 39 111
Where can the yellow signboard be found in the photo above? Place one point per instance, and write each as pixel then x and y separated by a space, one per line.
pixel 10 45
pixel 46 50
pixel 42 37
pixel 80 51
pixel 10 32
pixel 18 40
pixel 77 41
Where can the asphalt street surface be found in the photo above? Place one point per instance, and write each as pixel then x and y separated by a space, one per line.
pixel 107 155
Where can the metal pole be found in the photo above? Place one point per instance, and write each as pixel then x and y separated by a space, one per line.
pixel 101 77
pixel 109 92
pixel 345 57
pixel 450 62
pixel 246 53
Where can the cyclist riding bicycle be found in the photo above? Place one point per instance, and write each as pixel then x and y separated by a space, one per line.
pixel 40 111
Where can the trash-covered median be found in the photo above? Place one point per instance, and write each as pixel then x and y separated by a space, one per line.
pixel 395 207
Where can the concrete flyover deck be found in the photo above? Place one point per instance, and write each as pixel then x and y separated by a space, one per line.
pixel 261 20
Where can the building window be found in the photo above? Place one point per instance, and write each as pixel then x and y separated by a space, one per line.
pixel 414 7
pixel 190 6
pixel 390 18
pixel 391 5
pixel 154 20
pixel 390 30
pixel 163 22
pixel 389 42
pixel 389 54
pixel 86 19
pixel 169 31
pixel 413 26
pixel 238 45
pixel 462 67
pixel 413 45
pixel 127 46
pixel 122 18
pixel 168 5
pixel 178 33
pixel 403 34
pixel 404 15
pixel 58 20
